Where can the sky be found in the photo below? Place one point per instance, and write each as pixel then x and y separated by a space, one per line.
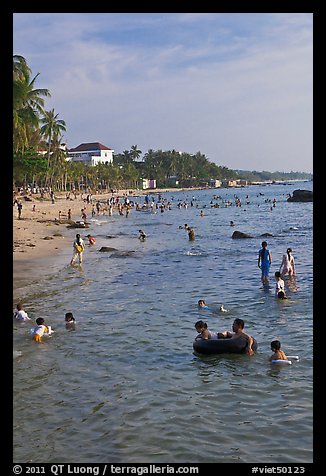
pixel 237 87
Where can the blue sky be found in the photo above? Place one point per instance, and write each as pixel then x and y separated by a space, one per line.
pixel 238 87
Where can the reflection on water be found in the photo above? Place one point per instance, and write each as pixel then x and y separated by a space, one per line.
pixel 126 386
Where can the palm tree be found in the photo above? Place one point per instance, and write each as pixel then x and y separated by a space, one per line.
pixel 51 130
pixel 28 103
pixel 58 159
pixel 130 176
pixel 134 152
pixel 127 158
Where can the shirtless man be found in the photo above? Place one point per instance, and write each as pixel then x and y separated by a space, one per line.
pixel 238 333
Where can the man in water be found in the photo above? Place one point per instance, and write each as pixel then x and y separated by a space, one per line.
pixel 238 333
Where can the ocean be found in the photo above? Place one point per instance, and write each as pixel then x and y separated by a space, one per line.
pixel 124 384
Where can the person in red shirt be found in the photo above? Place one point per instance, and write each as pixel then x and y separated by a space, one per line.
pixel 91 240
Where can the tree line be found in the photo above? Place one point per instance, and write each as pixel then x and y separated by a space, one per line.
pixel 39 155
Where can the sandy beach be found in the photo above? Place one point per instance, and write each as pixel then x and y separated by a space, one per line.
pixel 40 235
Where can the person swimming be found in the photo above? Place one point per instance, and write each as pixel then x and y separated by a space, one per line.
pixel 202 329
pixel 70 320
pixel 41 329
pixel 222 308
pixel 278 354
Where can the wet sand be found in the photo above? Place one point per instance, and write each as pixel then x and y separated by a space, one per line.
pixel 40 239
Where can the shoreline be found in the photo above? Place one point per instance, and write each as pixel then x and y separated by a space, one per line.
pixel 39 237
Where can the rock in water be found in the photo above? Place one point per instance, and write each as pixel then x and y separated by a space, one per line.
pixel 239 234
pixel 301 196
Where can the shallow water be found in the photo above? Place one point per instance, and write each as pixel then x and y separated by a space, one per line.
pixel 125 385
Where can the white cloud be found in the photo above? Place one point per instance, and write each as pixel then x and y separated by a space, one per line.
pixel 245 102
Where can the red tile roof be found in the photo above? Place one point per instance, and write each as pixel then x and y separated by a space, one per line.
pixel 89 146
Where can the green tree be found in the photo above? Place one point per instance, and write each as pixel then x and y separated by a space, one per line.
pixel 135 153
pixel 28 104
pixel 51 130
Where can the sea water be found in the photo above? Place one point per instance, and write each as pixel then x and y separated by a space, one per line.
pixel 123 385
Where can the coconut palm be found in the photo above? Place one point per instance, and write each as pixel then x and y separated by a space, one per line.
pixel 51 130
pixel 58 160
pixel 135 153
pixel 28 103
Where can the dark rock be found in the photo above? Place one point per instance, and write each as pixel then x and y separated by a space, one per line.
pixel 122 254
pixel 266 235
pixel 78 225
pixel 239 234
pixel 107 248
pixel 301 196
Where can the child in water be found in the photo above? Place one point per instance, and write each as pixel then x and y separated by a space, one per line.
pixel 69 319
pixel 20 314
pixel 91 239
pixel 201 328
pixel 40 329
pixel 142 235
pixel 279 287
pixel 278 353
pixel 202 304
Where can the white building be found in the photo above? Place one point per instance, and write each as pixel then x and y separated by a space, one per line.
pixel 214 183
pixel 91 153
pixel 149 183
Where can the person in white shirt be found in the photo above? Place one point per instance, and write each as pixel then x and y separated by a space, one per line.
pixel 279 287
pixel 41 329
pixel 79 247
pixel 20 314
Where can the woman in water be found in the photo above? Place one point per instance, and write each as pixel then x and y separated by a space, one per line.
pixel 287 266
pixel 264 262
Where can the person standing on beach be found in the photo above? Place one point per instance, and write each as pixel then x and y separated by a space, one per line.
pixel 19 208
pixel 78 247
pixel 264 262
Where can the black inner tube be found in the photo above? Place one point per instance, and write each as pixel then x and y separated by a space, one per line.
pixel 222 346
